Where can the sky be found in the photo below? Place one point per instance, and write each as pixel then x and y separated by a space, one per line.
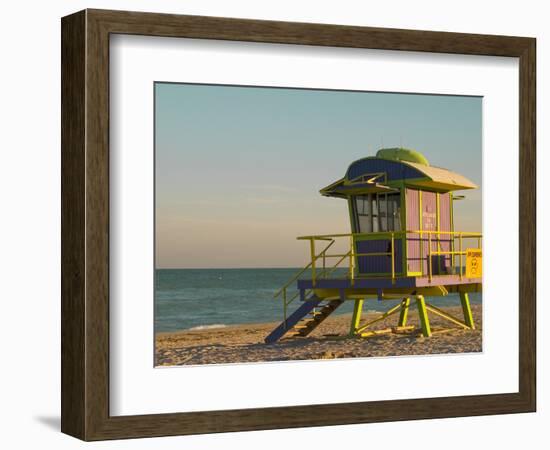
pixel 238 169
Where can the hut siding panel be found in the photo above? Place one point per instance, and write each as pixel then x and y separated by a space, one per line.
pixel 440 264
pixel 413 247
pixel 417 258
pixel 445 225
pixel 379 264
pixel 429 223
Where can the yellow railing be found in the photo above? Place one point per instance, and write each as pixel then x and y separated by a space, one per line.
pixel 451 238
pixel 455 235
pixel 312 264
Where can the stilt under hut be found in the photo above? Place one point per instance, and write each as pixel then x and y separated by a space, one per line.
pixel 403 246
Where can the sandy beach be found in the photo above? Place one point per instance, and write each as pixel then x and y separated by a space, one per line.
pixel 245 343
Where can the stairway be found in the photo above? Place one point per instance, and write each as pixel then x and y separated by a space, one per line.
pixel 305 319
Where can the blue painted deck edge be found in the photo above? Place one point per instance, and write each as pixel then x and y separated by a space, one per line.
pixel 344 283
pixel 377 283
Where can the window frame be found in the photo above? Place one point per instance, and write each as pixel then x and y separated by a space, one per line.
pixel 375 200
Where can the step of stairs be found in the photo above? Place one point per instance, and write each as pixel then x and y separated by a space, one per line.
pixel 306 326
pixel 305 319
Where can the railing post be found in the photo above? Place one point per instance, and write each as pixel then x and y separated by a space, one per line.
pixel 441 258
pixel 351 263
pixel 312 249
pixel 392 259
pixel 430 255
pixel 421 239
pixel 460 252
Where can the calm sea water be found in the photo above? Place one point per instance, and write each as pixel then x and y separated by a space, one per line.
pixel 201 298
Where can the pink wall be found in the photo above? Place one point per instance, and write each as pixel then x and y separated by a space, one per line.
pixel 445 225
pixel 413 247
pixel 429 223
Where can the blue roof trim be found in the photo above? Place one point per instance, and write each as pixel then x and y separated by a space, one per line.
pixel 395 170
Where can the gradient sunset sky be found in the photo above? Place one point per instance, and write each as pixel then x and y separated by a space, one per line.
pixel 238 169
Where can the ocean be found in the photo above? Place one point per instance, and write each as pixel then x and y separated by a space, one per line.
pixel 209 298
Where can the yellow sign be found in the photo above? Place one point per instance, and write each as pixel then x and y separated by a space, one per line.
pixel 474 263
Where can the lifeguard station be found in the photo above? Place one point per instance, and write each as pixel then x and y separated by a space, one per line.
pixel 403 245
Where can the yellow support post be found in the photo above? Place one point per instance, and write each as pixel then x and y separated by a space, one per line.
pixel 423 316
pixel 467 310
pixel 445 315
pixel 356 317
pixel 404 312
pixel 312 250
pixel 351 259
pixel 379 318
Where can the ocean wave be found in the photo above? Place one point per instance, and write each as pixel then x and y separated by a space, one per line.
pixel 208 327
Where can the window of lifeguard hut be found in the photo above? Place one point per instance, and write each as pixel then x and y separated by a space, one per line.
pixel 377 212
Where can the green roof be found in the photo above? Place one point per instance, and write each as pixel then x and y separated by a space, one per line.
pixel 402 154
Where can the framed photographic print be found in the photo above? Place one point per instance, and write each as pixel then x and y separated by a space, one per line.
pixel 272 224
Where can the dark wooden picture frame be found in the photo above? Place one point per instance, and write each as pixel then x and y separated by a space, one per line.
pixel 85 224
